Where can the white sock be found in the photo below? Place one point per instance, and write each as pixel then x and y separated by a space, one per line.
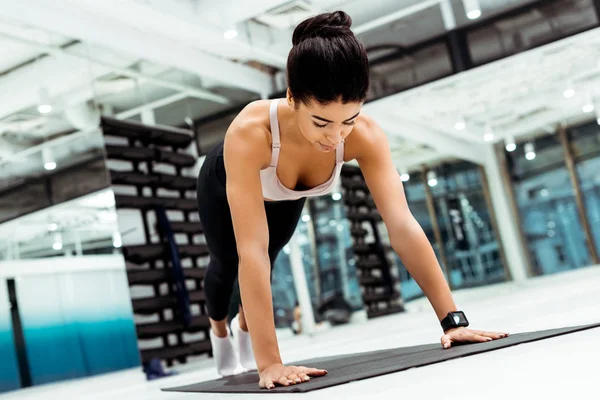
pixel 243 344
pixel 225 356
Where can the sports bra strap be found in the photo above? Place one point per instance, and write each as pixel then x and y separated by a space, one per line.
pixel 339 153
pixel 276 145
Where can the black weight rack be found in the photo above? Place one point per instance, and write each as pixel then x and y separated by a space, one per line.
pixel 178 301
pixel 378 283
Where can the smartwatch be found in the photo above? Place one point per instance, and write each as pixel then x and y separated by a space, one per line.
pixel 454 319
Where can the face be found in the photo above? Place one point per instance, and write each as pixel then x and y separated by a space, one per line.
pixel 325 126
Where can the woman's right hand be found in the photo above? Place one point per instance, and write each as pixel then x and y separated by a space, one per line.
pixel 287 375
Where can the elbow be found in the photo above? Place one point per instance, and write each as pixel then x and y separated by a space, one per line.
pixel 402 234
pixel 254 257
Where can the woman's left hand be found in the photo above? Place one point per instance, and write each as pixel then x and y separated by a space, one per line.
pixel 464 335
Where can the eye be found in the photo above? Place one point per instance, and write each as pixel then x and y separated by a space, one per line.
pixel 350 123
pixel 319 126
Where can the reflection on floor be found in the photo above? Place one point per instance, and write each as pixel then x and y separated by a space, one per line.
pixel 556 368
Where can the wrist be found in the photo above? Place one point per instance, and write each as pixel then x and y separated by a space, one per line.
pixel 453 320
pixel 266 364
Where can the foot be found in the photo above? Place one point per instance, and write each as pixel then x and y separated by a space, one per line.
pixel 243 344
pixel 226 357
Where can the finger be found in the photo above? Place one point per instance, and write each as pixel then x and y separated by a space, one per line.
pixel 495 335
pixel 314 371
pixel 294 378
pixel 269 384
pixel 480 338
pixel 304 377
pixel 284 381
pixel 446 341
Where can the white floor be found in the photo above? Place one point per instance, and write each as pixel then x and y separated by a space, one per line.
pixel 558 368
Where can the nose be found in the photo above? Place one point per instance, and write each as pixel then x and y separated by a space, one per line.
pixel 334 139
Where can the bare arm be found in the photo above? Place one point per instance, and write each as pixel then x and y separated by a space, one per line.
pixel 406 235
pixel 243 154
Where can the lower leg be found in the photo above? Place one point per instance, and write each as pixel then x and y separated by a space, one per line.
pixel 242 320
pixel 239 328
pixel 219 327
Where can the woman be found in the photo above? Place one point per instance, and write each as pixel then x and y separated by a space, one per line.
pixel 252 188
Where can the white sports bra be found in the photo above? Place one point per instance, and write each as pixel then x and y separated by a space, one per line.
pixel 272 187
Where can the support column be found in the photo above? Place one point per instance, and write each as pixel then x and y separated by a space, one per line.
pixel 507 218
pixel 297 267
pixel 456 40
pixel 494 220
pixel 570 163
pixel 436 228
pixel 147 116
pixel 597 9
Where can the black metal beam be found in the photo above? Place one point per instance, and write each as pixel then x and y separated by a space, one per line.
pixel 458 48
pixel 46 180
pixel 18 336
pixel 597 9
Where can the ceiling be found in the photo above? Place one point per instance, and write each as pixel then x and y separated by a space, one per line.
pixel 89 221
pixel 171 57
pixel 519 97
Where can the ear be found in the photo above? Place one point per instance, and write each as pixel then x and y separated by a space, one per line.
pixel 289 97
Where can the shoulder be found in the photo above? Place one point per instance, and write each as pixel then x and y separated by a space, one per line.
pixel 249 134
pixel 366 138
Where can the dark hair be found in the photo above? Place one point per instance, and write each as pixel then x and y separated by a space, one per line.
pixel 327 63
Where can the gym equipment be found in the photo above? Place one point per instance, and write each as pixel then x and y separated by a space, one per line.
pixel 162 262
pixel 353 367
pixel 380 294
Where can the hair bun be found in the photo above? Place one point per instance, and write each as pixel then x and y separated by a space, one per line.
pixel 325 25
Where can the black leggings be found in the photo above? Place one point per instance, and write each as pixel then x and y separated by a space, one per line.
pixel 222 270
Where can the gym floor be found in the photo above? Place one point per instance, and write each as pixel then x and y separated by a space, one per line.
pixel 562 367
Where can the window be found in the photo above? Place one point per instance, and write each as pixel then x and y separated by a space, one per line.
pixel 548 212
pixel 586 146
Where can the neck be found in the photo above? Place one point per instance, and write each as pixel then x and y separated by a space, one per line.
pixel 288 127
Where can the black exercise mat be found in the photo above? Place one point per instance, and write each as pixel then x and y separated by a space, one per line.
pixel 353 367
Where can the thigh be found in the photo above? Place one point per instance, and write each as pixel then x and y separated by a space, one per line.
pixel 282 218
pixel 215 218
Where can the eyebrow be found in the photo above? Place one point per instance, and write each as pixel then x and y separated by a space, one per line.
pixel 326 120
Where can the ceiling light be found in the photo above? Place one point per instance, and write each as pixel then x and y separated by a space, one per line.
pixel 474 14
pixel 472 9
pixel 460 124
pixel 489 134
pixel 230 34
pixel 336 196
pixel 510 144
pixel 57 245
pixel 44 107
pixel 48 159
pixel 52 227
pixel 569 93
pixel 432 178
pixel 588 104
pixel 529 151
pixel 404 175
pixel 305 218
pixel 117 242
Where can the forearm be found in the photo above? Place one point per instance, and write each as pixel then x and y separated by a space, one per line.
pixel 255 291
pixel 417 255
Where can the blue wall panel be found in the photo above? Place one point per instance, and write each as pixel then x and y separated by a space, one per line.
pixel 77 324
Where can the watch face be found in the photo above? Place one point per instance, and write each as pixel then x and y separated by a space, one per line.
pixel 459 317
